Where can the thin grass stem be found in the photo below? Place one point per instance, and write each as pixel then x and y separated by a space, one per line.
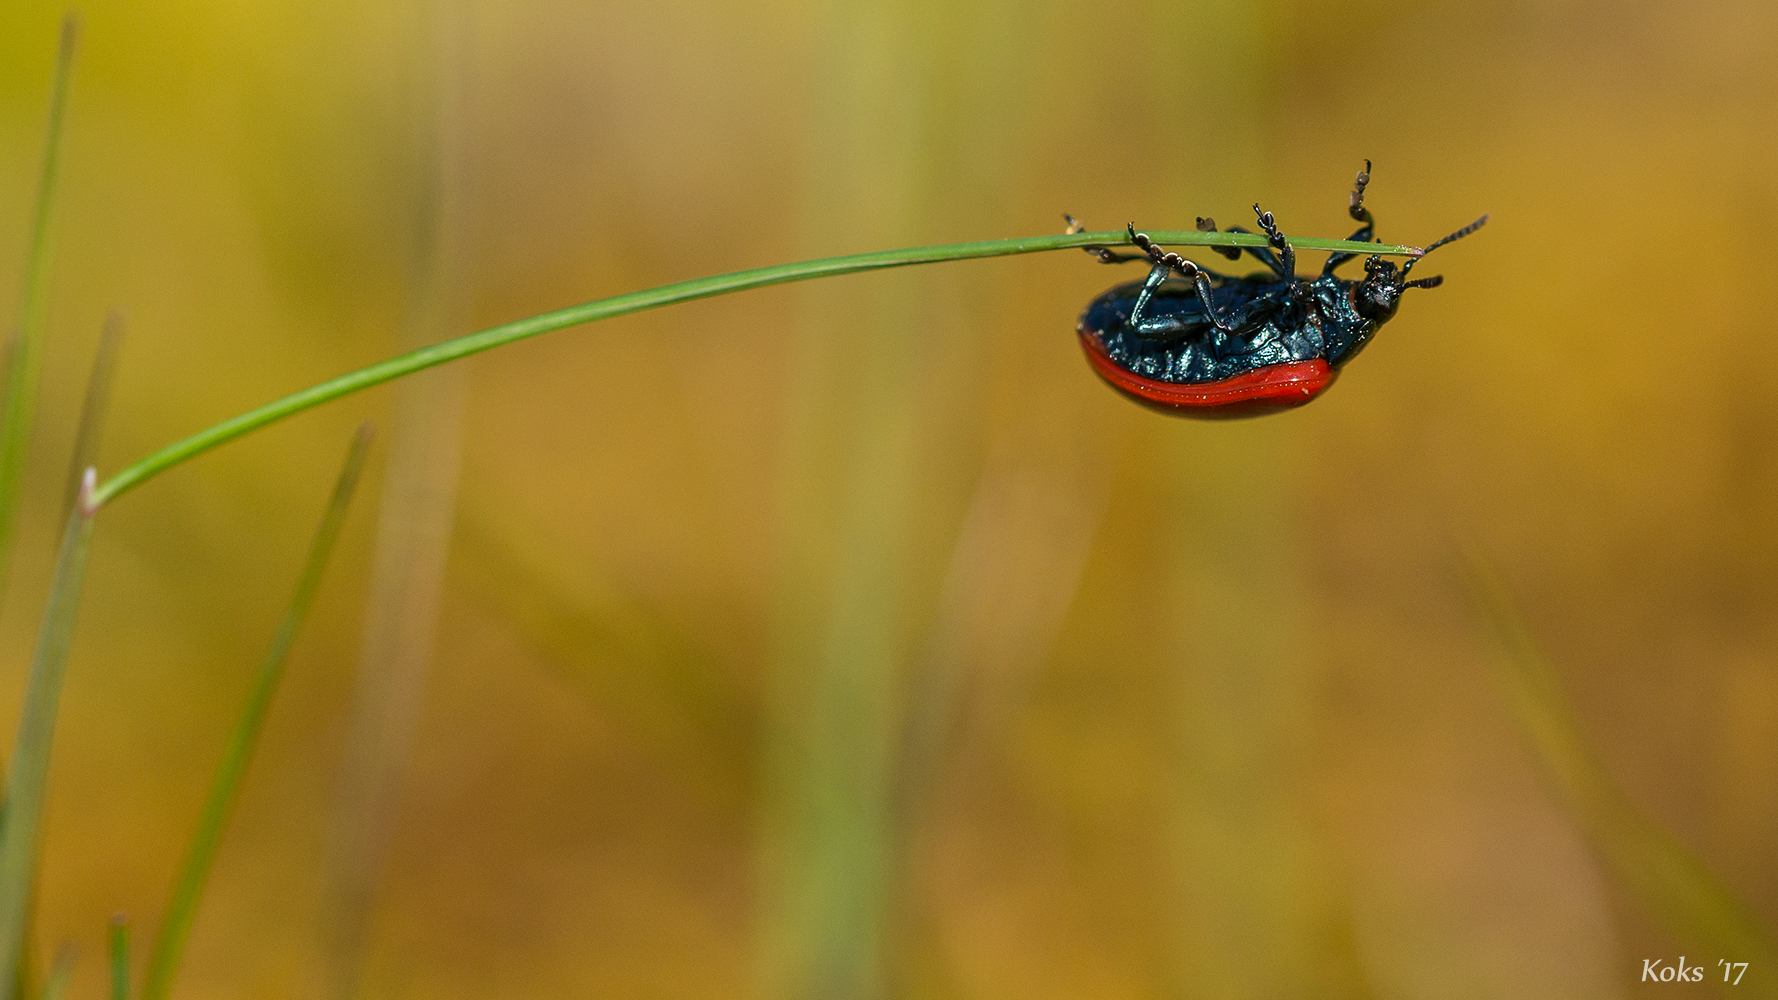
pixel 141 471
pixel 225 789
pixel 63 970
pixel 120 957
pixel 1669 881
pixel 19 399
pixel 21 822
pixel 92 411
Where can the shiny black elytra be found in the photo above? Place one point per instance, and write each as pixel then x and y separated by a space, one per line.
pixel 1224 346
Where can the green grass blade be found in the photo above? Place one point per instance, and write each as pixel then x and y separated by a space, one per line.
pixel 1669 882
pixel 22 820
pixel 59 974
pixel 653 298
pixel 420 485
pixel 24 980
pixel 120 957
pixel 86 442
pixel 169 942
pixel 18 403
pixel 92 411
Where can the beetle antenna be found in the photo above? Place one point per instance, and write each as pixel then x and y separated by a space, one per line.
pixel 1459 234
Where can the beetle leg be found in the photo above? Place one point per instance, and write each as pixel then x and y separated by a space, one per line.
pixel 1148 327
pixel 1208 225
pixel 1109 257
pixel 1104 255
pixel 1359 212
pixel 1363 235
pixel 1165 265
pixel 1163 327
pixel 1164 262
pixel 1243 317
pixel 1152 252
pixel 1166 258
pixel 1287 255
pixel 1160 327
pixel 1355 204
pixel 1264 254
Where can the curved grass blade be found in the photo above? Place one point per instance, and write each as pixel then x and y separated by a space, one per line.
pixel 1670 883
pixel 21 821
pixel 225 789
pixel 141 471
pixel 24 354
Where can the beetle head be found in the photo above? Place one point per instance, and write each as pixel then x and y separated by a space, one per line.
pixel 1379 294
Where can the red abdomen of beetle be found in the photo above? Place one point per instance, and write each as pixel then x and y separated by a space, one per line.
pixel 1249 394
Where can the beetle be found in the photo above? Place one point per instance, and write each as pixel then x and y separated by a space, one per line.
pixel 1220 346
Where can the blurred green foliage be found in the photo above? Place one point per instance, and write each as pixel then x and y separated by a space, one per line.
pixel 1659 874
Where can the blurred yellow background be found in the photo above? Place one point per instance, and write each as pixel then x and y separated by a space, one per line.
pixel 851 639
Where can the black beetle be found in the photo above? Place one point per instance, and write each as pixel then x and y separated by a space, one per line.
pixel 1224 346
